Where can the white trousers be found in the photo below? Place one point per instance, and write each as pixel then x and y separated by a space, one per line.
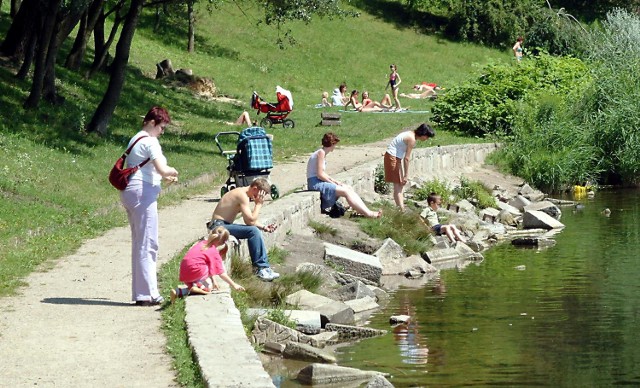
pixel 140 201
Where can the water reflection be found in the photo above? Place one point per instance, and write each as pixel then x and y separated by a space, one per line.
pixel 564 316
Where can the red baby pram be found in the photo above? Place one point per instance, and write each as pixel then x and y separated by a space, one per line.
pixel 276 112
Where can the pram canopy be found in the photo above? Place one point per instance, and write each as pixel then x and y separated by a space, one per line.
pixel 254 151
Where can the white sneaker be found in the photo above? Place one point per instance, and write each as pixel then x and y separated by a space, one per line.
pixel 273 273
pixel 265 274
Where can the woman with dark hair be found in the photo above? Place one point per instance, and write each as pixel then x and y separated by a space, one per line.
pixel 517 48
pixel 329 188
pixel 396 159
pixel 140 201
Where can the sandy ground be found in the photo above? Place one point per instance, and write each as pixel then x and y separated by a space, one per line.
pixel 74 325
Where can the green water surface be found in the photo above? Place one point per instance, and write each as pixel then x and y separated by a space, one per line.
pixel 570 318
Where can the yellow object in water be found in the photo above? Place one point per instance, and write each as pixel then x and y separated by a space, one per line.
pixel 579 189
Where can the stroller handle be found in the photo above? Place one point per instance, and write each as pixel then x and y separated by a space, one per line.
pixel 227 133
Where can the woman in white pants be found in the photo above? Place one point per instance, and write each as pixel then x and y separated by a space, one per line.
pixel 140 201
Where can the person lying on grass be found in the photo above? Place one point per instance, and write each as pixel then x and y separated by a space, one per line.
pixel 201 263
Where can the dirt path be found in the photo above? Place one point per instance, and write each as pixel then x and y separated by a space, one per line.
pixel 74 325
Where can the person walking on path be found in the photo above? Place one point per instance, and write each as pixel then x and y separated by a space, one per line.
pixel 396 159
pixel 237 202
pixel 394 82
pixel 329 188
pixel 201 263
pixel 140 201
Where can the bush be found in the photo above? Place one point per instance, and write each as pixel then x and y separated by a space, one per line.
pixel 379 184
pixel 475 191
pixel 590 133
pixel 432 186
pixel 489 103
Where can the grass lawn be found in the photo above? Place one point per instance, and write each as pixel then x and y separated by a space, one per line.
pixel 53 175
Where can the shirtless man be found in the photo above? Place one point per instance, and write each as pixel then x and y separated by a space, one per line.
pixel 237 201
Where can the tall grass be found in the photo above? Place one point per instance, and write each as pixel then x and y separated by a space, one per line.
pixel 590 133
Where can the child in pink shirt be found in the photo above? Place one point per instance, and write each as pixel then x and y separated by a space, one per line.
pixel 201 263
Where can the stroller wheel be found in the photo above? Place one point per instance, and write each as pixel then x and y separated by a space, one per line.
pixel 288 123
pixel 266 123
pixel 275 194
pixel 223 190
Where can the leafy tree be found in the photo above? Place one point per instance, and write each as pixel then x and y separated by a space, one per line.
pixel 40 27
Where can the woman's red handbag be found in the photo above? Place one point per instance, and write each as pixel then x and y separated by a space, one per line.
pixel 119 176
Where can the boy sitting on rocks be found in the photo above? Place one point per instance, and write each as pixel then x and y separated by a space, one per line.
pixel 431 216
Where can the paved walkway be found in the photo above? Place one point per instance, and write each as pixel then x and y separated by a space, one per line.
pixel 74 325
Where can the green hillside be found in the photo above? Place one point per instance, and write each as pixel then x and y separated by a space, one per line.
pixel 53 175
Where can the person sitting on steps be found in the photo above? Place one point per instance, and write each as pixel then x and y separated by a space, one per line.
pixel 329 188
pixel 237 201
pixel 431 216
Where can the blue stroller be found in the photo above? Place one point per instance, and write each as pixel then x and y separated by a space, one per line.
pixel 251 159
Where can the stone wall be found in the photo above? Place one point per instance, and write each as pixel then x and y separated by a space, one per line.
pixel 293 211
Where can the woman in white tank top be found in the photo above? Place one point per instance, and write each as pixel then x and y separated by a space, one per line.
pixel 396 159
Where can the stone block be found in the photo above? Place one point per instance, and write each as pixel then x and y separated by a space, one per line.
pixel 537 219
pixel 505 206
pixel 465 206
pixel 304 352
pixel 353 290
pixel 325 338
pixel 332 374
pixel 519 202
pixel 351 333
pixel 354 262
pixel 301 317
pixel 265 331
pixel 490 212
pixel 547 207
pixel 329 309
pixel 379 382
pixel 362 304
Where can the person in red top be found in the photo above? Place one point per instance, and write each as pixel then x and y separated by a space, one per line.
pixel 201 263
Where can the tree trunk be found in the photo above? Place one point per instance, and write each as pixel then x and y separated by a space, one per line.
pixel 105 110
pixel 88 22
pixel 20 29
pixel 156 23
pixel 15 6
pixel 192 22
pixel 102 49
pixel 48 18
pixel 29 53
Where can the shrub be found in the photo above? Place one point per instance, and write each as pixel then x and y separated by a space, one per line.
pixel 476 191
pixel 379 184
pixel 405 228
pixel 432 186
pixel 489 103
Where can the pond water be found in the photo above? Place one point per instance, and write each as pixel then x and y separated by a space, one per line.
pixel 569 318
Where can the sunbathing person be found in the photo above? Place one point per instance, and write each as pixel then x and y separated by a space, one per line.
pixel 353 100
pixel 426 91
pixel 369 105
pixel 329 188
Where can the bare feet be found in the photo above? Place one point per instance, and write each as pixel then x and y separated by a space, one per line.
pixel 377 214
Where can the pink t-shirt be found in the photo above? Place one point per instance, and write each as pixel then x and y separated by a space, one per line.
pixel 199 264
